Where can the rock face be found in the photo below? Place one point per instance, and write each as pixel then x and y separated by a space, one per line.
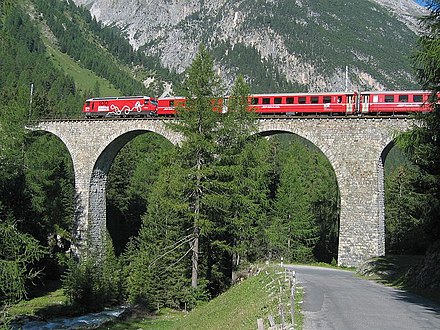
pixel 277 44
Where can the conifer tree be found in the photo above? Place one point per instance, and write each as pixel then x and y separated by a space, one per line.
pixel 18 252
pixel 242 168
pixel 198 122
pixel 159 257
pixel 422 144
pixel 295 232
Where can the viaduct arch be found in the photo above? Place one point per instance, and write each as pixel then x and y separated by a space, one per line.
pixel 355 147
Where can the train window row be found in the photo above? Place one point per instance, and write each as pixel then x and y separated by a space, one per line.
pixel 296 100
pixel 403 98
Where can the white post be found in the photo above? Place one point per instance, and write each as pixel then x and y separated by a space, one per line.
pixel 30 101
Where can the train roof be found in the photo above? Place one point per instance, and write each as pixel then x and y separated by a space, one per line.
pixel 171 97
pixel 396 92
pixel 301 94
pixel 119 98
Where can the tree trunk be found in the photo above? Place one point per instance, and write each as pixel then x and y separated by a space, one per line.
pixel 195 259
pixel 195 254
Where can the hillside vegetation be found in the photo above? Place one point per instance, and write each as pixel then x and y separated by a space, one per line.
pixel 257 297
pixel 182 220
pixel 278 45
pixel 149 182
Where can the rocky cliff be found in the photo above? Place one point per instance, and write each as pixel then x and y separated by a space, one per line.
pixel 277 44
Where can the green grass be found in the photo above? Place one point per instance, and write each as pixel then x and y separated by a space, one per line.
pixel 51 304
pixel 238 308
pixel 84 78
pixel 392 270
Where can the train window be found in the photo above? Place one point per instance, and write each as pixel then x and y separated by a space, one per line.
pixel 389 98
pixel 314 99
pixel 327 99
pixel 289 100
pixel 302 100
pixel 254 100
pixel 339 99
pixel 171 103
pixel 266 100
pixel 277 100
pixel 403 98
pixel 417 98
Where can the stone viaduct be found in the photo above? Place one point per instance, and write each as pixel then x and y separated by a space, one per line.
pixel 355 147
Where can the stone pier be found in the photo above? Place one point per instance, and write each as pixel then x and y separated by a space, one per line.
pixel 355 147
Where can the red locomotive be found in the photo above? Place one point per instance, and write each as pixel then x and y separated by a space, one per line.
pixel 338 103
pixel 120 106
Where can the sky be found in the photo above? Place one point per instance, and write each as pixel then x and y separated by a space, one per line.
pixel 421 2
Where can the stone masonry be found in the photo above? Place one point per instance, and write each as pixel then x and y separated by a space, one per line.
pixel 355 147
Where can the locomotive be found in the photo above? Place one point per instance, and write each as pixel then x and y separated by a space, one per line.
pixel 338 103
pixel 121 106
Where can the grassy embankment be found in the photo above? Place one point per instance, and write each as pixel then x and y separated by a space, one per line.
pixel 84 78
pixel 397 271
pixel 239 308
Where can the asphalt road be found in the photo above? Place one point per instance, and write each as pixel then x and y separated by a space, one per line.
pixel 336 299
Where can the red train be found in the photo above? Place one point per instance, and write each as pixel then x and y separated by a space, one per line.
pixel 167 105
pixel 122 106
pixel 394 102
pixel 304 103
pixel 338 103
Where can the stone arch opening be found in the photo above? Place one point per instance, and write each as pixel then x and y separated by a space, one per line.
pixel 50 181
pixel 403 234
pixel 324 206
pixel 100 221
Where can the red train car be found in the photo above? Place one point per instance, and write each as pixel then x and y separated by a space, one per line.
pixel 305 103
pixel 166 106
pixel 394 102
pixel 120 106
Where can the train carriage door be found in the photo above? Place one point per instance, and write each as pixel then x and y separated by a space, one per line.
pixel 225 104
pixel 349 104
pixel 365 103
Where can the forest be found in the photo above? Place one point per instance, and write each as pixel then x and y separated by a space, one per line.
pixel 182 221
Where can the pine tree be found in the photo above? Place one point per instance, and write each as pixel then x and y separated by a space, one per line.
pixel 159 273
pixel 404 212
pixel 242 168
pixel 18 252
pixel 422 144
pixel 198 122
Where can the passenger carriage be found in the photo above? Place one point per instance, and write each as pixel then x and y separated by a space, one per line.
pixel 304 103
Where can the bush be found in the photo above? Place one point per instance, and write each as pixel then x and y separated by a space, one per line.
pixel 95 281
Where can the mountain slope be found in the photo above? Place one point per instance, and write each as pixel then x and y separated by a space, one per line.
pixel 277 44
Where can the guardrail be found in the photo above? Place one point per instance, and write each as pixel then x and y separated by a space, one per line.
pixel 285 322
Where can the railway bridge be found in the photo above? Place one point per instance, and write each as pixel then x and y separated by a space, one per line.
pixel 355 146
